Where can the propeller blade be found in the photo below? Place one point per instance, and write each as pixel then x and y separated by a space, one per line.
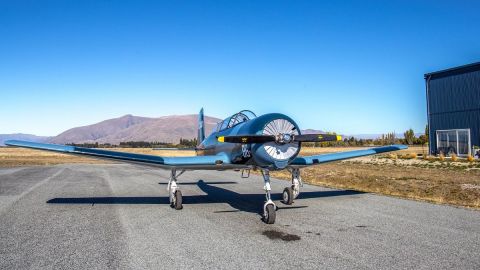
pixel 317 138
pixel 247 139
pixel 271 138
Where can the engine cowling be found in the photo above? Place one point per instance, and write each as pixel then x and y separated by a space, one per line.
pixel 282 151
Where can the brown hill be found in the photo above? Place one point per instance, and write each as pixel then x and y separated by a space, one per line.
pixel 134 128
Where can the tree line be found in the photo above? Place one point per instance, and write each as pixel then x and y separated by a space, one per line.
pixel 183 143
pixel 409 138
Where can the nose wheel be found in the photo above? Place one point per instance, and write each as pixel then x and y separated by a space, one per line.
pixel 269 213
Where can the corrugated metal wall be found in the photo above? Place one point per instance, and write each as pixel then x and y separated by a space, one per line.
pixel 454 103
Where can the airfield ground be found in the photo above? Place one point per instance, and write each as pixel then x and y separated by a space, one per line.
pixel 447 182
pixel 116 216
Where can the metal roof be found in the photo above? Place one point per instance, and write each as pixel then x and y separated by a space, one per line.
pixel 454 71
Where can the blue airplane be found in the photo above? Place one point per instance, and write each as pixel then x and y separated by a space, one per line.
pixel 242 141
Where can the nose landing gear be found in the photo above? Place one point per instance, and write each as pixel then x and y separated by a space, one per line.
pixel 269 208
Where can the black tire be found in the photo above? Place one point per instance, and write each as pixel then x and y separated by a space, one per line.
pixel 287 196
pixel 269 215
pixel 177 203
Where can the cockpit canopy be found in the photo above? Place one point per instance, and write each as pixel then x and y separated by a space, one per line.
pixel 234 120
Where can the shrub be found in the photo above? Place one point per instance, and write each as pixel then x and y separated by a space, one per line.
pixel 454 157
pixel 441 157
pixel 392 156
pixel 470 158
pixel 412 155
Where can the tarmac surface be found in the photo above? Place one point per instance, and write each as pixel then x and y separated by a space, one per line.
pixel 118 217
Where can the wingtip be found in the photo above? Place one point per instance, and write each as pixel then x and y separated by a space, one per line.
pixel 221 139
pixel 401 146
pixel 10 142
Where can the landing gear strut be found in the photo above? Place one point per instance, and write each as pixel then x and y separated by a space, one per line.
pixel 269 207
pixel 174 192
pixel 291 193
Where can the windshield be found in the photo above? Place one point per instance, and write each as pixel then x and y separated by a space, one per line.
pixel 235 119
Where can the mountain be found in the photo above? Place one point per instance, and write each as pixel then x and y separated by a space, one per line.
pixel 311 131
pixel 92 133
pixel 21 136
pixel 167 129
pixel 135 128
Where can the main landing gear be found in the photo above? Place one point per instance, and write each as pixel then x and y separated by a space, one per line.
pixel 174 192
pixel 269 208
pixel 291 193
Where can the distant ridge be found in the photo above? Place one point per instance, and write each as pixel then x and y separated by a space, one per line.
pixel 311 131
pixel 21 136
pixel 167 129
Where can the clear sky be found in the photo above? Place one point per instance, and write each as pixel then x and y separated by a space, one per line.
pixel 346 66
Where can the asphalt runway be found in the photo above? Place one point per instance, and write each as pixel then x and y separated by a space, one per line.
pixel 117 216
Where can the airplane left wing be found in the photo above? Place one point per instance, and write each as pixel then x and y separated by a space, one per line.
pixel 324 158
pixel 217 162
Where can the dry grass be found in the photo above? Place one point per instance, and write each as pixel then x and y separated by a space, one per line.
pixel 438 185
pixel 456 183
pixel 14 157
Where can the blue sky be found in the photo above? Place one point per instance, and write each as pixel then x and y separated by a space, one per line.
pixel 346 66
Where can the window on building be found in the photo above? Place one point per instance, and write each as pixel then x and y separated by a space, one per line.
pixel 454 141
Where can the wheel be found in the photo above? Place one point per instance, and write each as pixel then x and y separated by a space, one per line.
pixel 288 196
pixel 177 200
pixel 269 215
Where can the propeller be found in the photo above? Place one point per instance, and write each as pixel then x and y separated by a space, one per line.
pixel 280 138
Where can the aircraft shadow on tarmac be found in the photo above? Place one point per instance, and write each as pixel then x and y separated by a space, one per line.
pixel 240 202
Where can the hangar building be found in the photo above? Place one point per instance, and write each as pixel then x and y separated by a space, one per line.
pixel 453 108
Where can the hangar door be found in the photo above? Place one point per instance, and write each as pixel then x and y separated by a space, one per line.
pixel 454 141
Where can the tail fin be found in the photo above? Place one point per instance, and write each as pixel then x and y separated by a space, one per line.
pixel 201 128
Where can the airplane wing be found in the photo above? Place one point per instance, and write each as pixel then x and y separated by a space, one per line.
pixel 324 158
pixel 217 162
